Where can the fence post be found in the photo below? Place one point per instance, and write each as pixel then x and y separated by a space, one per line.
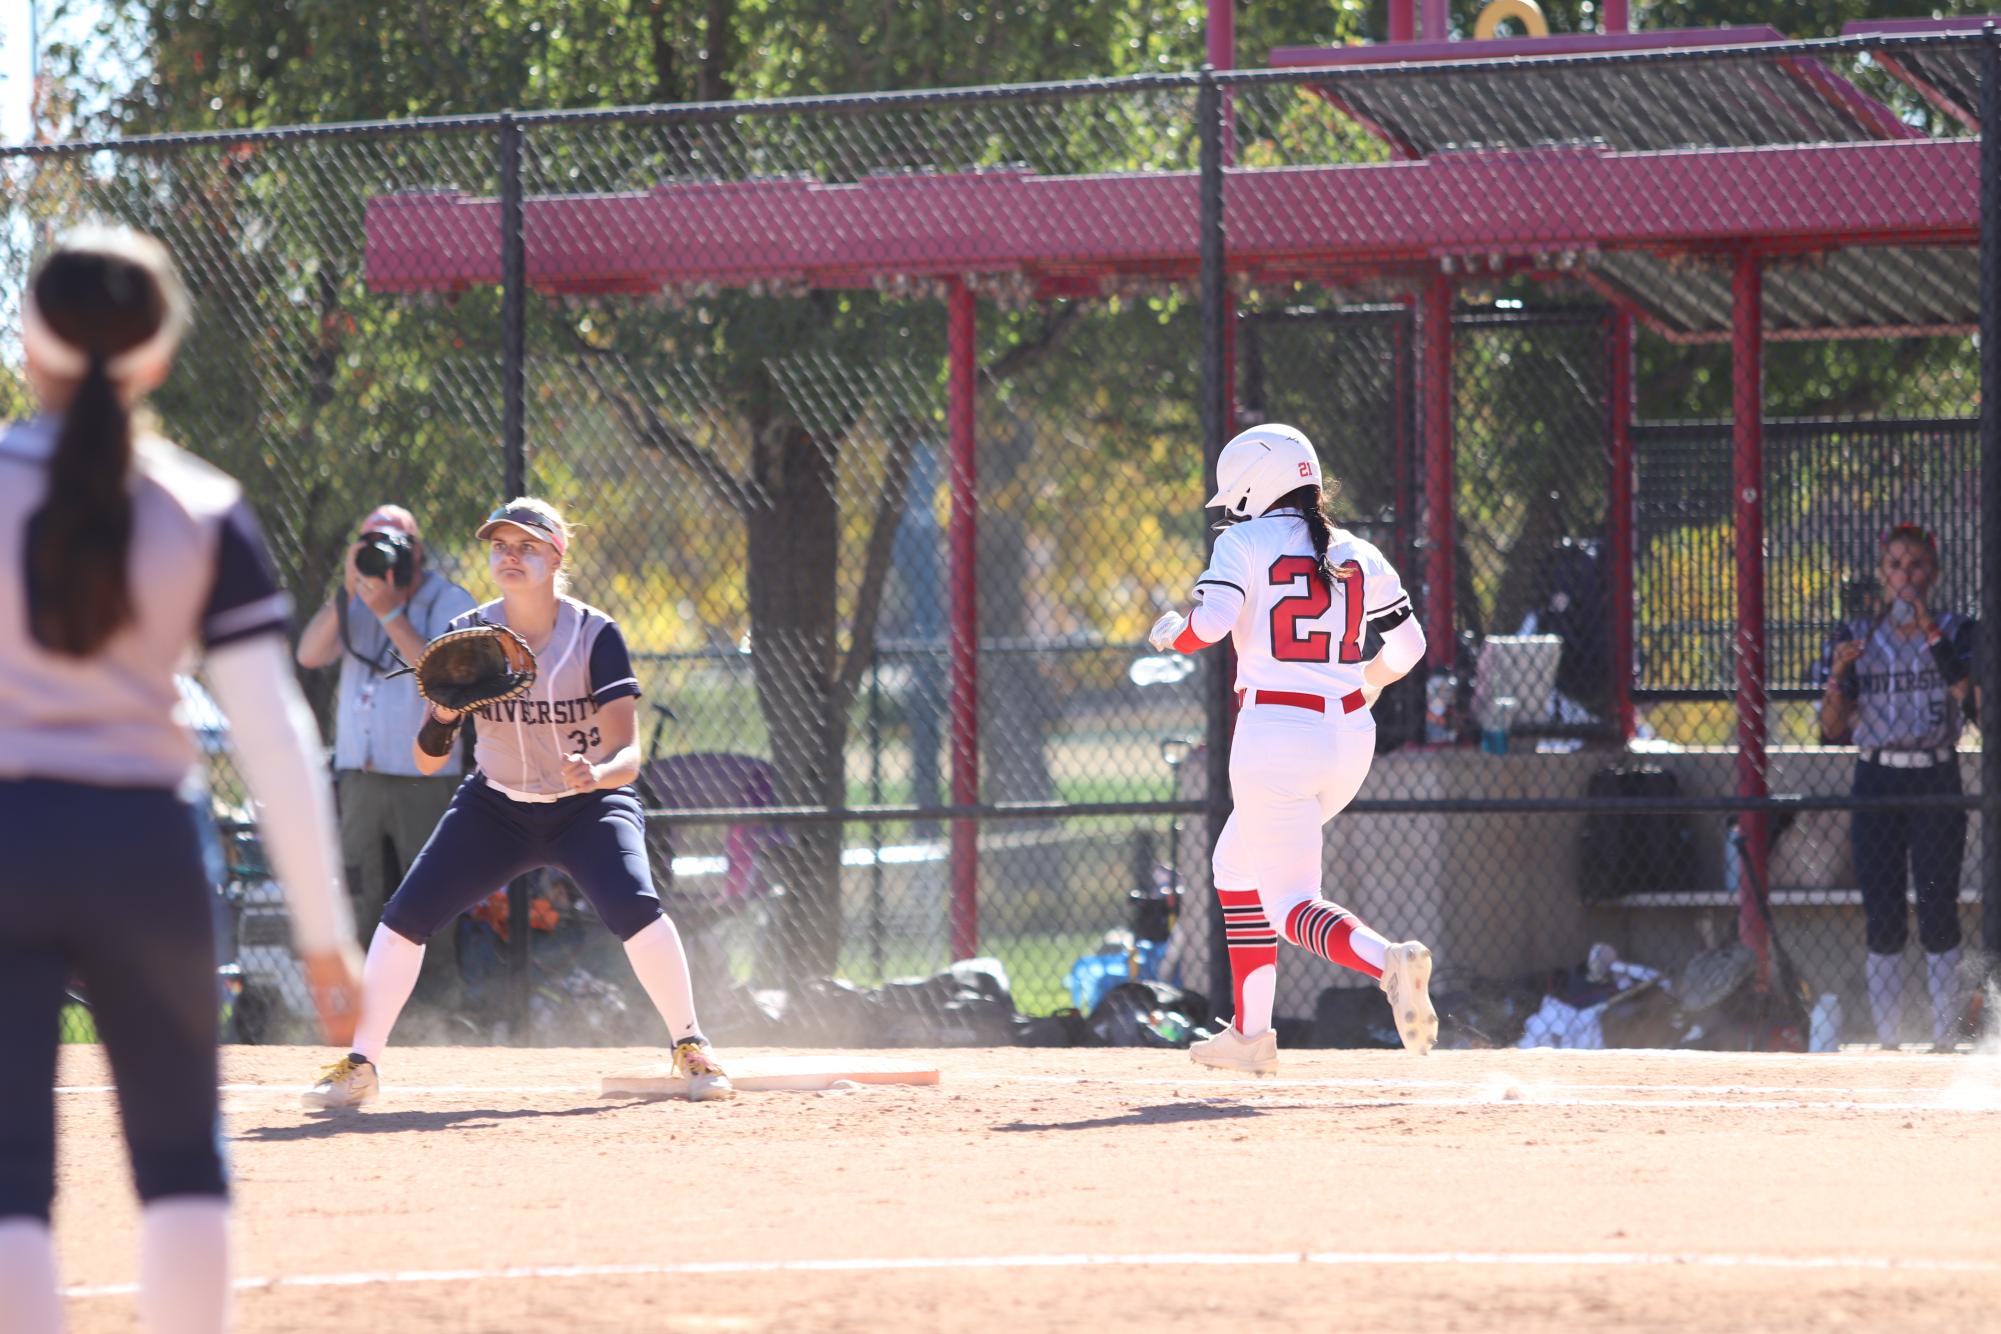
pixel 1619 530
pixel 1220 669
pixel 1403 407
pixel 1403 20
pixel 964 548
pixel 1440 490
pixel 1437 20
pixel 514 481
pixel 1990 493
pixel 1747 412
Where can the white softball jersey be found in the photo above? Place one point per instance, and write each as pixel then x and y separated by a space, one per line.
pixel 521 744
pixel 200 577
pixel 1292 632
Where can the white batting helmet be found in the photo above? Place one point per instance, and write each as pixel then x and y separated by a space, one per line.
pixel 1261 465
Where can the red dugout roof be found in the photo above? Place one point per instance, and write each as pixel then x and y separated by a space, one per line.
pixel 1816 166
pixel 1290 220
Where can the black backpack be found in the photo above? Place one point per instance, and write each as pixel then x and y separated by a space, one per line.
pixel 1636 852
pixel 1150 1014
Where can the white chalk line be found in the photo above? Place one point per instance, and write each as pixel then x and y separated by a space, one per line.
pixel 1087 1260
pixel 1500 1076
pixel 1487 1092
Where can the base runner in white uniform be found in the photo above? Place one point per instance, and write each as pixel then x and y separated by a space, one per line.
pixel 1296 595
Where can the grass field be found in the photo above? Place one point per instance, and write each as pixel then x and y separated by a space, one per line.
pixel 77 1025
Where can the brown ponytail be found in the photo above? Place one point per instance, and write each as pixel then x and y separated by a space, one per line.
pixel 1311 502
pixel 98 299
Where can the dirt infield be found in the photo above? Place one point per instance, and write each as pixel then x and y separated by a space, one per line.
pixel 1103 1190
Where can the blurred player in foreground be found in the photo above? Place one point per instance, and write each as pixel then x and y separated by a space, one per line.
pixel 1295 594
pixel 120 557
pixel 553 788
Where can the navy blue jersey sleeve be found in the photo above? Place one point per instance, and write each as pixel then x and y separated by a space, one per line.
pixel 244 598
pixel 612 676
pixel 1841 633
pixel 1965 639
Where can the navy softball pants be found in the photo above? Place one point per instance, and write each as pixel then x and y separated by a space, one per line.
pixel 598 839
pixel 107 886
pixel 1931 842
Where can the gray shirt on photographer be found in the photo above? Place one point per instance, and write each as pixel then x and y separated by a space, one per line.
pixel 375 718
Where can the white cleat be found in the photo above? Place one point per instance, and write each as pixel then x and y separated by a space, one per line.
pixel 345 1083
pixel 706 1080
pixel 1231 1050
pixel 1407 982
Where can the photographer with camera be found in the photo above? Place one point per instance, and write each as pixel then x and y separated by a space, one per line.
pixel 389 606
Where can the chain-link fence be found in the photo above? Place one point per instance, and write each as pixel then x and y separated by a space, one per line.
pixel 883 420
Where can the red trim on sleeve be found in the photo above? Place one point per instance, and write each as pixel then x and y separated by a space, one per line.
pixel 1188 641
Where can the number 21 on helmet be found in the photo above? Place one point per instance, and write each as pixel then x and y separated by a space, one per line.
pixel 1259 466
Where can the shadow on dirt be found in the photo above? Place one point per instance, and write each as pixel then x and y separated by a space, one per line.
pixel 323 1124
pixel 1161 1114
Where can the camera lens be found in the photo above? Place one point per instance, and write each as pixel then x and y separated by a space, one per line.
pixel 374 557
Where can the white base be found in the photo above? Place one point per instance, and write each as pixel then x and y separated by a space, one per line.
pixel 770 1074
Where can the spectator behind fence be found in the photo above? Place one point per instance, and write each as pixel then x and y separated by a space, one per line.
pixel 389 605
pixel 1898 683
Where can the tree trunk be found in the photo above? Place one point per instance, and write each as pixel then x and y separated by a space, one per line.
pixel 660 32
pixel 712 80
pixel 793 548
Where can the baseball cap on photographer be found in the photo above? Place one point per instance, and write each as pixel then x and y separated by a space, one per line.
pixel 385 517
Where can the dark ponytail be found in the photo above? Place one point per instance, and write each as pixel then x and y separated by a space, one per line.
pixel 98 303
pixel 1311 502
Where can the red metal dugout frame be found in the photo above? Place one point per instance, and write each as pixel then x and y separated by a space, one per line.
pixel 1414 221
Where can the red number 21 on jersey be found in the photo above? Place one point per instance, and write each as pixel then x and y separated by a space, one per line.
pixel 1291 644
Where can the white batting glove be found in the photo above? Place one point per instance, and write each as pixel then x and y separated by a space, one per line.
pixel 1166 630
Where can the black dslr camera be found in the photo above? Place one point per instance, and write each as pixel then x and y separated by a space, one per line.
pixel 387 553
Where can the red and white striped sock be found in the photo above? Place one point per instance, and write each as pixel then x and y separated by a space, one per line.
pixel 1335 935
pixel 1253 949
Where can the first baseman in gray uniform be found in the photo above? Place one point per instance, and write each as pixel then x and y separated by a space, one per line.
pixel 552 788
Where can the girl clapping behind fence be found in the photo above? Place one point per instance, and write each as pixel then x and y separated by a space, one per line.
pixel 1899 686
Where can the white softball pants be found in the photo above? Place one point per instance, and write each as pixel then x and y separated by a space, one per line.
pixel 1291 770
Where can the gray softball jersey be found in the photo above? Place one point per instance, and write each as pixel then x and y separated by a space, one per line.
pixel 1900 694
pixel 522 743
pixel 200 578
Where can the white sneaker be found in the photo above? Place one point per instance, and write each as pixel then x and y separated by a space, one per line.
pixel 1407 982
pixel 345 1083
pixel 1231 1050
